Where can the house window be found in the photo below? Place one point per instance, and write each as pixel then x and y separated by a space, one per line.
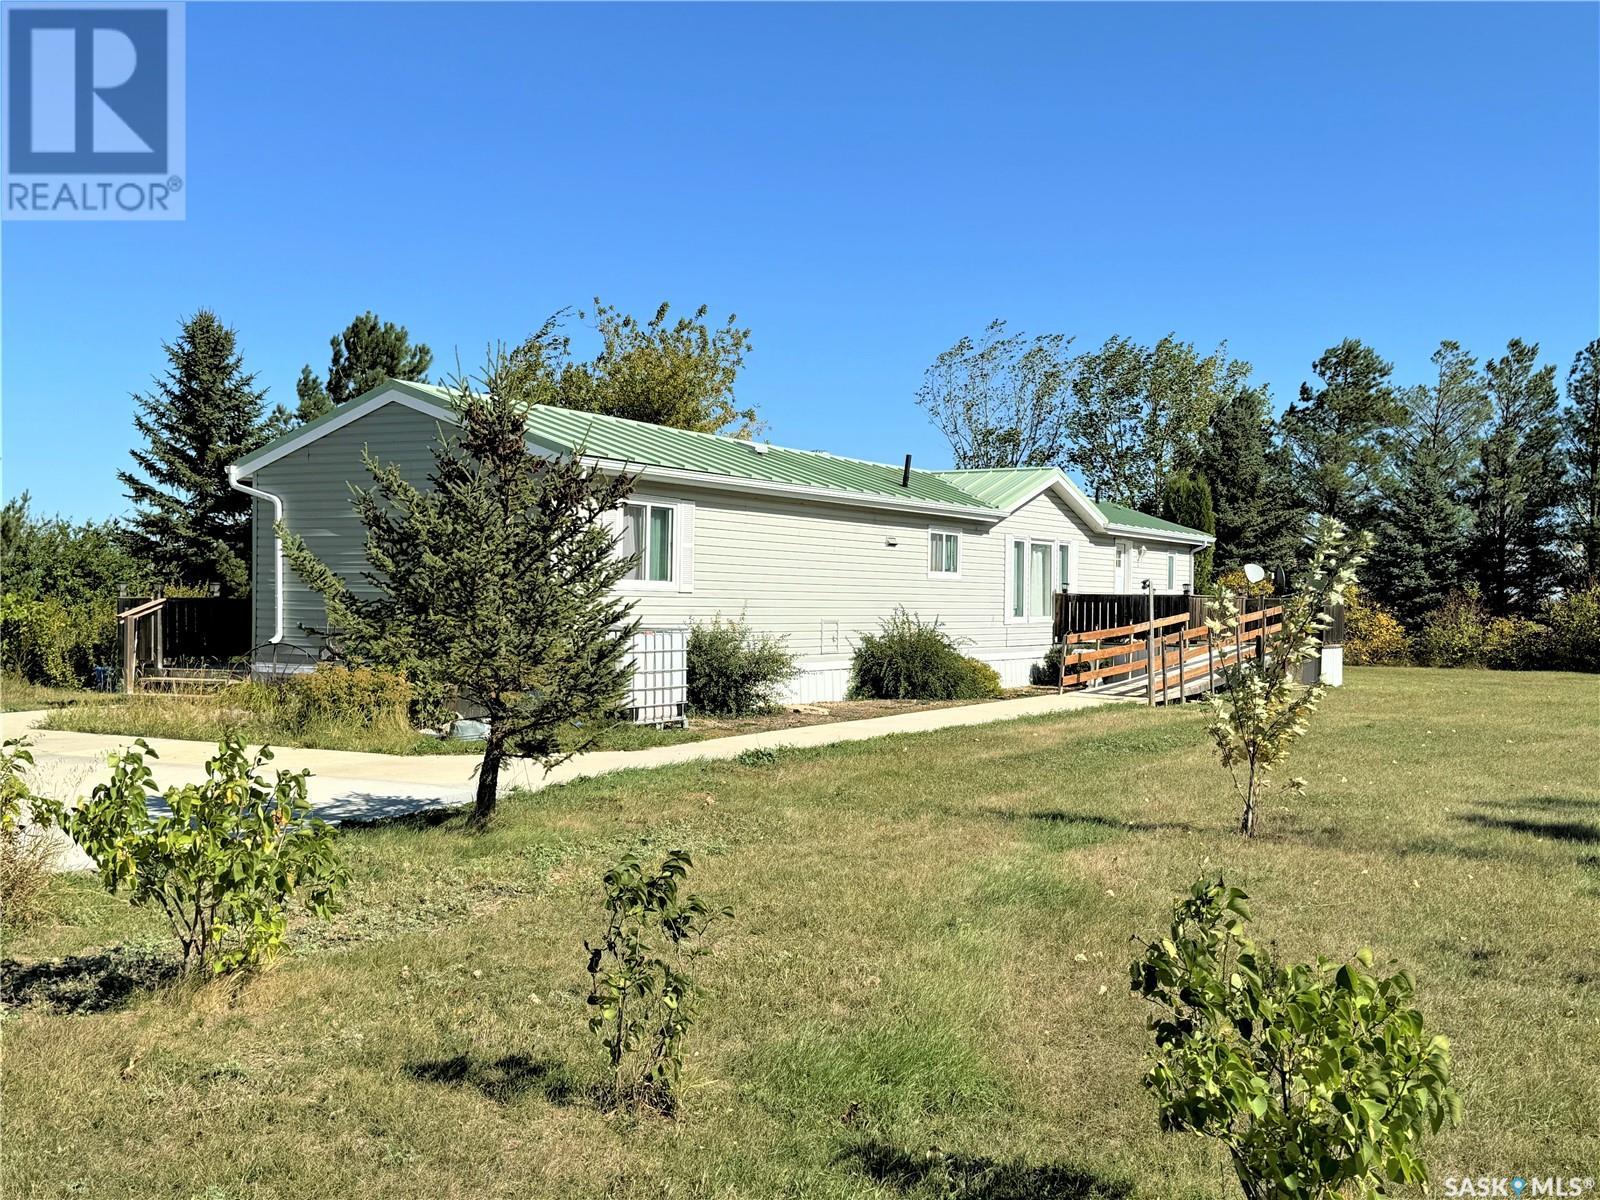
pixel 647 532
pixel 944 553
pixel 1019 579
pixel 1038 571
pixel 1172 571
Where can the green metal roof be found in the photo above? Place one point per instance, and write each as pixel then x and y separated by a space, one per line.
pixel 1005 487
pixel 654 445
pixel 637 443
pixel 1001 487
pixel 1121 514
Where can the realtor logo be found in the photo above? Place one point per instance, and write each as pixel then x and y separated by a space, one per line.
pixel 94 112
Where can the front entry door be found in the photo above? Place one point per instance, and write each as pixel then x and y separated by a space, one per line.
pixel 1119 577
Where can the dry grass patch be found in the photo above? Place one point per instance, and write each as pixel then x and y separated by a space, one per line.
pixel 930 950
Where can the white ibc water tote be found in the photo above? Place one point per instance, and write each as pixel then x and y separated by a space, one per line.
pixel 659 694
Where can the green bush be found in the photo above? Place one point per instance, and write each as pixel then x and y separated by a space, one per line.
pixel 46 641
pixel 1452 634
pixel 224 861
pixel 1574 622
pixel 1373 636
pixel 1319 1079
pixel 1515 644
pixel 733 670
pixel 912 659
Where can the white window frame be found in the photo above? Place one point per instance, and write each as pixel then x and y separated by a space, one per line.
pixel 936 531
pixel 680 564
pixel 1056 545
pixel 1172 571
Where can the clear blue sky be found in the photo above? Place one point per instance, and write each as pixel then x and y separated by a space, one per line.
pixel 862 185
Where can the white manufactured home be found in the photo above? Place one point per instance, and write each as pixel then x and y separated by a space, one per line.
pixel 811 546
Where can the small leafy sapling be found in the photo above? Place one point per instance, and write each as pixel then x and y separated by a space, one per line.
pixel 643 1002
pixel 224 862
pixel 1319 1079
pixel 1261 709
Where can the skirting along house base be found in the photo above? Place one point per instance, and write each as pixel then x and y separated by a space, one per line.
pixel 812 547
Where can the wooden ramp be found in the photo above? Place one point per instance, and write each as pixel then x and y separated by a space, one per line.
pixel 1164 660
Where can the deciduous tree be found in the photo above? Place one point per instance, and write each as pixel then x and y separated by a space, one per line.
pixel 1001 400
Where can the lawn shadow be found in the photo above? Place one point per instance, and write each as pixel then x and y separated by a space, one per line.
pixel 976 1177
pixel 1556 831
pixel 1056 818
pixel 504 1080
pixel 425 818
pixel 84 983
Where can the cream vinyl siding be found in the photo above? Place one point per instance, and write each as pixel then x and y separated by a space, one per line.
pixel 314 482
pixel 818 574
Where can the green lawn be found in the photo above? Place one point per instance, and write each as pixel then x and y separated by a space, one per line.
pixel 931 950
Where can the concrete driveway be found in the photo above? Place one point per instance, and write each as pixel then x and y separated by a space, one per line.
pixel 349 786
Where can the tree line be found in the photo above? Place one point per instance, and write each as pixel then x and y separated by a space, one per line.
pixel 1482 474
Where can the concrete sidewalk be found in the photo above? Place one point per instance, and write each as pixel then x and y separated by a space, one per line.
pixel 347 786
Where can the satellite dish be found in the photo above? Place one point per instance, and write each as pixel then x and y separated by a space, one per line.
pixel 1254 572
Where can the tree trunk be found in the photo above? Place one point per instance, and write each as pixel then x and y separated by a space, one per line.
pixel 1247 821
pixel 488 780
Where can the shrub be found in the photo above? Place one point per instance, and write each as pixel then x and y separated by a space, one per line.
pixel 1318 1078
pixel 912 659
pixel 25 850
pixel 643 1004
pixel 223 863
pixel 1048 672
pixel 1452 634
pixel 1373 636
pixel 1232 583
pixel 1515 644
pixel 733 670
pixel 46 641
pixel 367 697
pixel 1574 622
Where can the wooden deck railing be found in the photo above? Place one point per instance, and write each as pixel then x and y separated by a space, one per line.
pixel 1165 652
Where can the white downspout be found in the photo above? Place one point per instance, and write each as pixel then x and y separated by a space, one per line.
pixel 277 546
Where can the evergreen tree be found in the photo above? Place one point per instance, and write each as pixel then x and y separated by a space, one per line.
pixel 494 585
pixel 205 412
pixel 1338 432
pixel 1516 489
pixel 1186 499
pixel 1257 516
pixel 364 355
pixel 1424 525
pixel 1581 443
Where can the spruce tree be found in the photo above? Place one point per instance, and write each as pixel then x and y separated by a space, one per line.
pixel 1186 499
pixel 1516 488
pixel 1338 432
pixel 1424 525
pixel 1581 444
pixel 493 585
pixel 203 413
pixel 1257 516
pixel 364 355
